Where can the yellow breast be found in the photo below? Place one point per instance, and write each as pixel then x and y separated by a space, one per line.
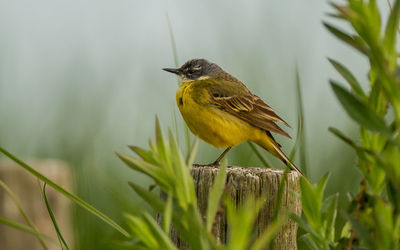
pixel 209 123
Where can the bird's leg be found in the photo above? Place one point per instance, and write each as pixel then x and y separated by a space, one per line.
pixel 216 162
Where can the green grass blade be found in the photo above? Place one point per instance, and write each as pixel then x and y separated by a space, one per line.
pixel 175 54
pixel 300 142
pixel 214 197
pixel 193 152
pixel 296 145
pixel 173 44
pixel 281 188
pixel 188 141
pixel 67 194
pixel 174 122
pixel 22 212
pixel 25 229
pixel 259 155
pixel 63 243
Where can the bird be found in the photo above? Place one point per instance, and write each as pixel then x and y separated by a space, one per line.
pixel 219 109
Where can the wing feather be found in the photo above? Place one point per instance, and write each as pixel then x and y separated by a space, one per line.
pixel 247 107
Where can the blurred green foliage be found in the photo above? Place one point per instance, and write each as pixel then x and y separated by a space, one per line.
pixel 373 215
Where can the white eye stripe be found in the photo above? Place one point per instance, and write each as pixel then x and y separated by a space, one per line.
pixel 198 67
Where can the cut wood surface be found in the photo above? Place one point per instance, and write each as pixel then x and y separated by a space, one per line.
pixel 244 182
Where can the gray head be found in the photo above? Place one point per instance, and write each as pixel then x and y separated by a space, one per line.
pixel 196 69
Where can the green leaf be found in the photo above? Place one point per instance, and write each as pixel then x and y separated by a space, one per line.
pixel 349 78
pixel 391 30
pixel 339 134
pixel 269 233
pixel 311 204
pixel 361 229
pixel 144 154
pixel 182 172
pixel 321 187
pixel 144 167
pixel 67 194
pixel 215 194
pixel 63 243
pixel 347 38
pixel 182 219
pixel 241 219
pixel 309 242
pixel 161 144
pixel 384 224
pixel 149 197
pixel 167 214
pixel 358 111
pixel 156 231
pixel 305 225
pixel 142 230
pixel 346 230
pixel 329 208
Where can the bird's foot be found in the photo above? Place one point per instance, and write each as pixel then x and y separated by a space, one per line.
pixel 214 164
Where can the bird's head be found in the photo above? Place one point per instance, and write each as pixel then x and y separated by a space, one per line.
pixel 195 69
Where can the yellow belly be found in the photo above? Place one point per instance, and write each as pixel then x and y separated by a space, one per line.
pixel 213 125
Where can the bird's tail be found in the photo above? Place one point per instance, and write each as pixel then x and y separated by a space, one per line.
pixel 275 149
pixel 285 160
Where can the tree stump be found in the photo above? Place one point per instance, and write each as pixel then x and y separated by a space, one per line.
pixel 240 183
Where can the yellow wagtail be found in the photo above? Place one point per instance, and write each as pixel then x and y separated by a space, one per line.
pixel 221 110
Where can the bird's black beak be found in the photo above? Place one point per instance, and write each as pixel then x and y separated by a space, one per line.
pixel 175 71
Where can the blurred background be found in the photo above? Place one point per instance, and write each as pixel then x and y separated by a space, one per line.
pixel 81 80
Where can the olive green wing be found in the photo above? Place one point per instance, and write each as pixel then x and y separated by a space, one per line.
pixel 235 99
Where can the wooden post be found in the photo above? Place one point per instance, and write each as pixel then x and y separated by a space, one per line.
pixel 26 188
pixel 242 182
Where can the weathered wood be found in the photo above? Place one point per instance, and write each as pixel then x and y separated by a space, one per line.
pixel 242 182
pixel 26 188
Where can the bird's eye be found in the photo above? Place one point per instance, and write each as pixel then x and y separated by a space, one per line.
pixel 193 70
